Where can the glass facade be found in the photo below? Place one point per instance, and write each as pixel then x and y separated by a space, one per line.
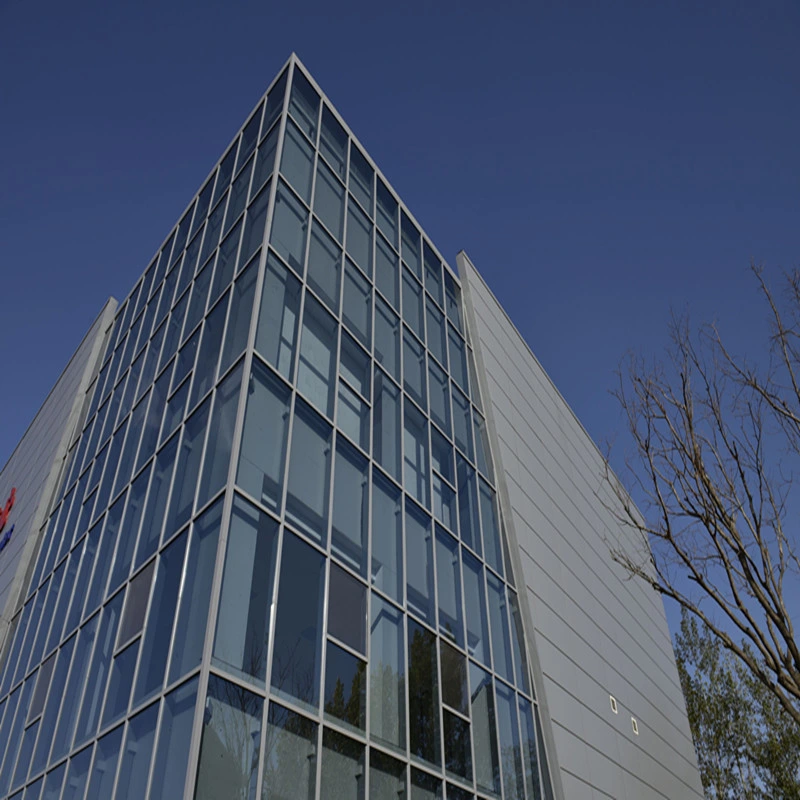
pixel 277 568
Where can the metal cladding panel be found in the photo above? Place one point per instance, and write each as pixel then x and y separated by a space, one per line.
pixel 34 468
pixel 596 633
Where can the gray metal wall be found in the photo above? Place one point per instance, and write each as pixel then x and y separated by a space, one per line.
pixel 596 633
pixel 34 467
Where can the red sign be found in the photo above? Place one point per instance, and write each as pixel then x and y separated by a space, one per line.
pixel 4 512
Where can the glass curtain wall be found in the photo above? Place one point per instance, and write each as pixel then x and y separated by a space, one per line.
pixel 277 568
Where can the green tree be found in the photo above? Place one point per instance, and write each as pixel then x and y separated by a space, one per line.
pixel 748 747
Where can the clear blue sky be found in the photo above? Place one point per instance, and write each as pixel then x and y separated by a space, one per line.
pixel 601 162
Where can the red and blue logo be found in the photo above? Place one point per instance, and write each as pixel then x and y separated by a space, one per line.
pixel 4 512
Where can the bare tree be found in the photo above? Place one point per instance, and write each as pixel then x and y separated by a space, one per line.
pixel 715 442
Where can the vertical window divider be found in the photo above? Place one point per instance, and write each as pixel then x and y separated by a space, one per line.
pixel 227 506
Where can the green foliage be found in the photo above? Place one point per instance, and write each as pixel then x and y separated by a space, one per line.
pixel 747 746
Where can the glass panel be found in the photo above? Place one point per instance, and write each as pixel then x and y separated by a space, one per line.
pixel 350 508
pixel 298 625
pixel 105 766
pixel 357 304
pixel 316 366
pixel 228 765
pixel 387 777
pixel 415 455
pixel 53 783
pixel 386 271
pixel 197 304
pixel 354 366
pixel 347 609
pixel 175 734
pixel 225 172
pixel 206 372
pixel 437 338
pixel 187 472
pixel 345 688
pixel 423 693
pixel 243 619
pixel 511 763
pixel 487 766
pixel 136 604
pixel 195 594
pixel 28 738
pixel 458 359
pixel 442 456
pixel 433 274
pixel 289 224
pixel 462 423
pixel 342 766
pixel 69 711
pixel 324 267
pixel 274 104
pixel 277 320
pixel 425 786
pixel 361 178
pixel 482 446
pixel 449 586
pixel 440 396
pixel 353 416
pixel 387 537
pixel 387 339
pixel 155 646
pixel 77 776
pixel 454 678
pixel 213 230
pixel 220 438
pixel 386 425
pixel 530 759
pixel 265 162
pixel 475 605
pixel 329 200
pixel 297 161
pixel 290 760
pixel 266 423
pixel 444 503
pixel 11 732
pixel 154 512
pixel 414 369
pixel 468 505
pixel 412 304
pixel 304 104
pixel 491 532
pixel 387 213
pixel 411 245
pixel 457 752
pixel 453 300
pixel 50 716
pixel 98 671
pixel 419 563
pixel 203 202
pixel 498 612
pixel 387 675
pixel 359 237
pixel 307 496
pixel 119 684
pixel 249 137
pixel 236 204
pixel 135 766
pixel 333 142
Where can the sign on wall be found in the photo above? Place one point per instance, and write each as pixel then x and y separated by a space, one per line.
pixel 4 513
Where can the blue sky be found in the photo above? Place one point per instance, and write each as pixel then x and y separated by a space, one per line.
pixel 601 163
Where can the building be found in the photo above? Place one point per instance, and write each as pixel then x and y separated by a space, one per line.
pixel 304 517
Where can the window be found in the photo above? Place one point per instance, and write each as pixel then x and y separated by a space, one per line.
pixel 263 450
pixel 243 618
pixel 350 508
pixel 277 319
pixel 298 626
